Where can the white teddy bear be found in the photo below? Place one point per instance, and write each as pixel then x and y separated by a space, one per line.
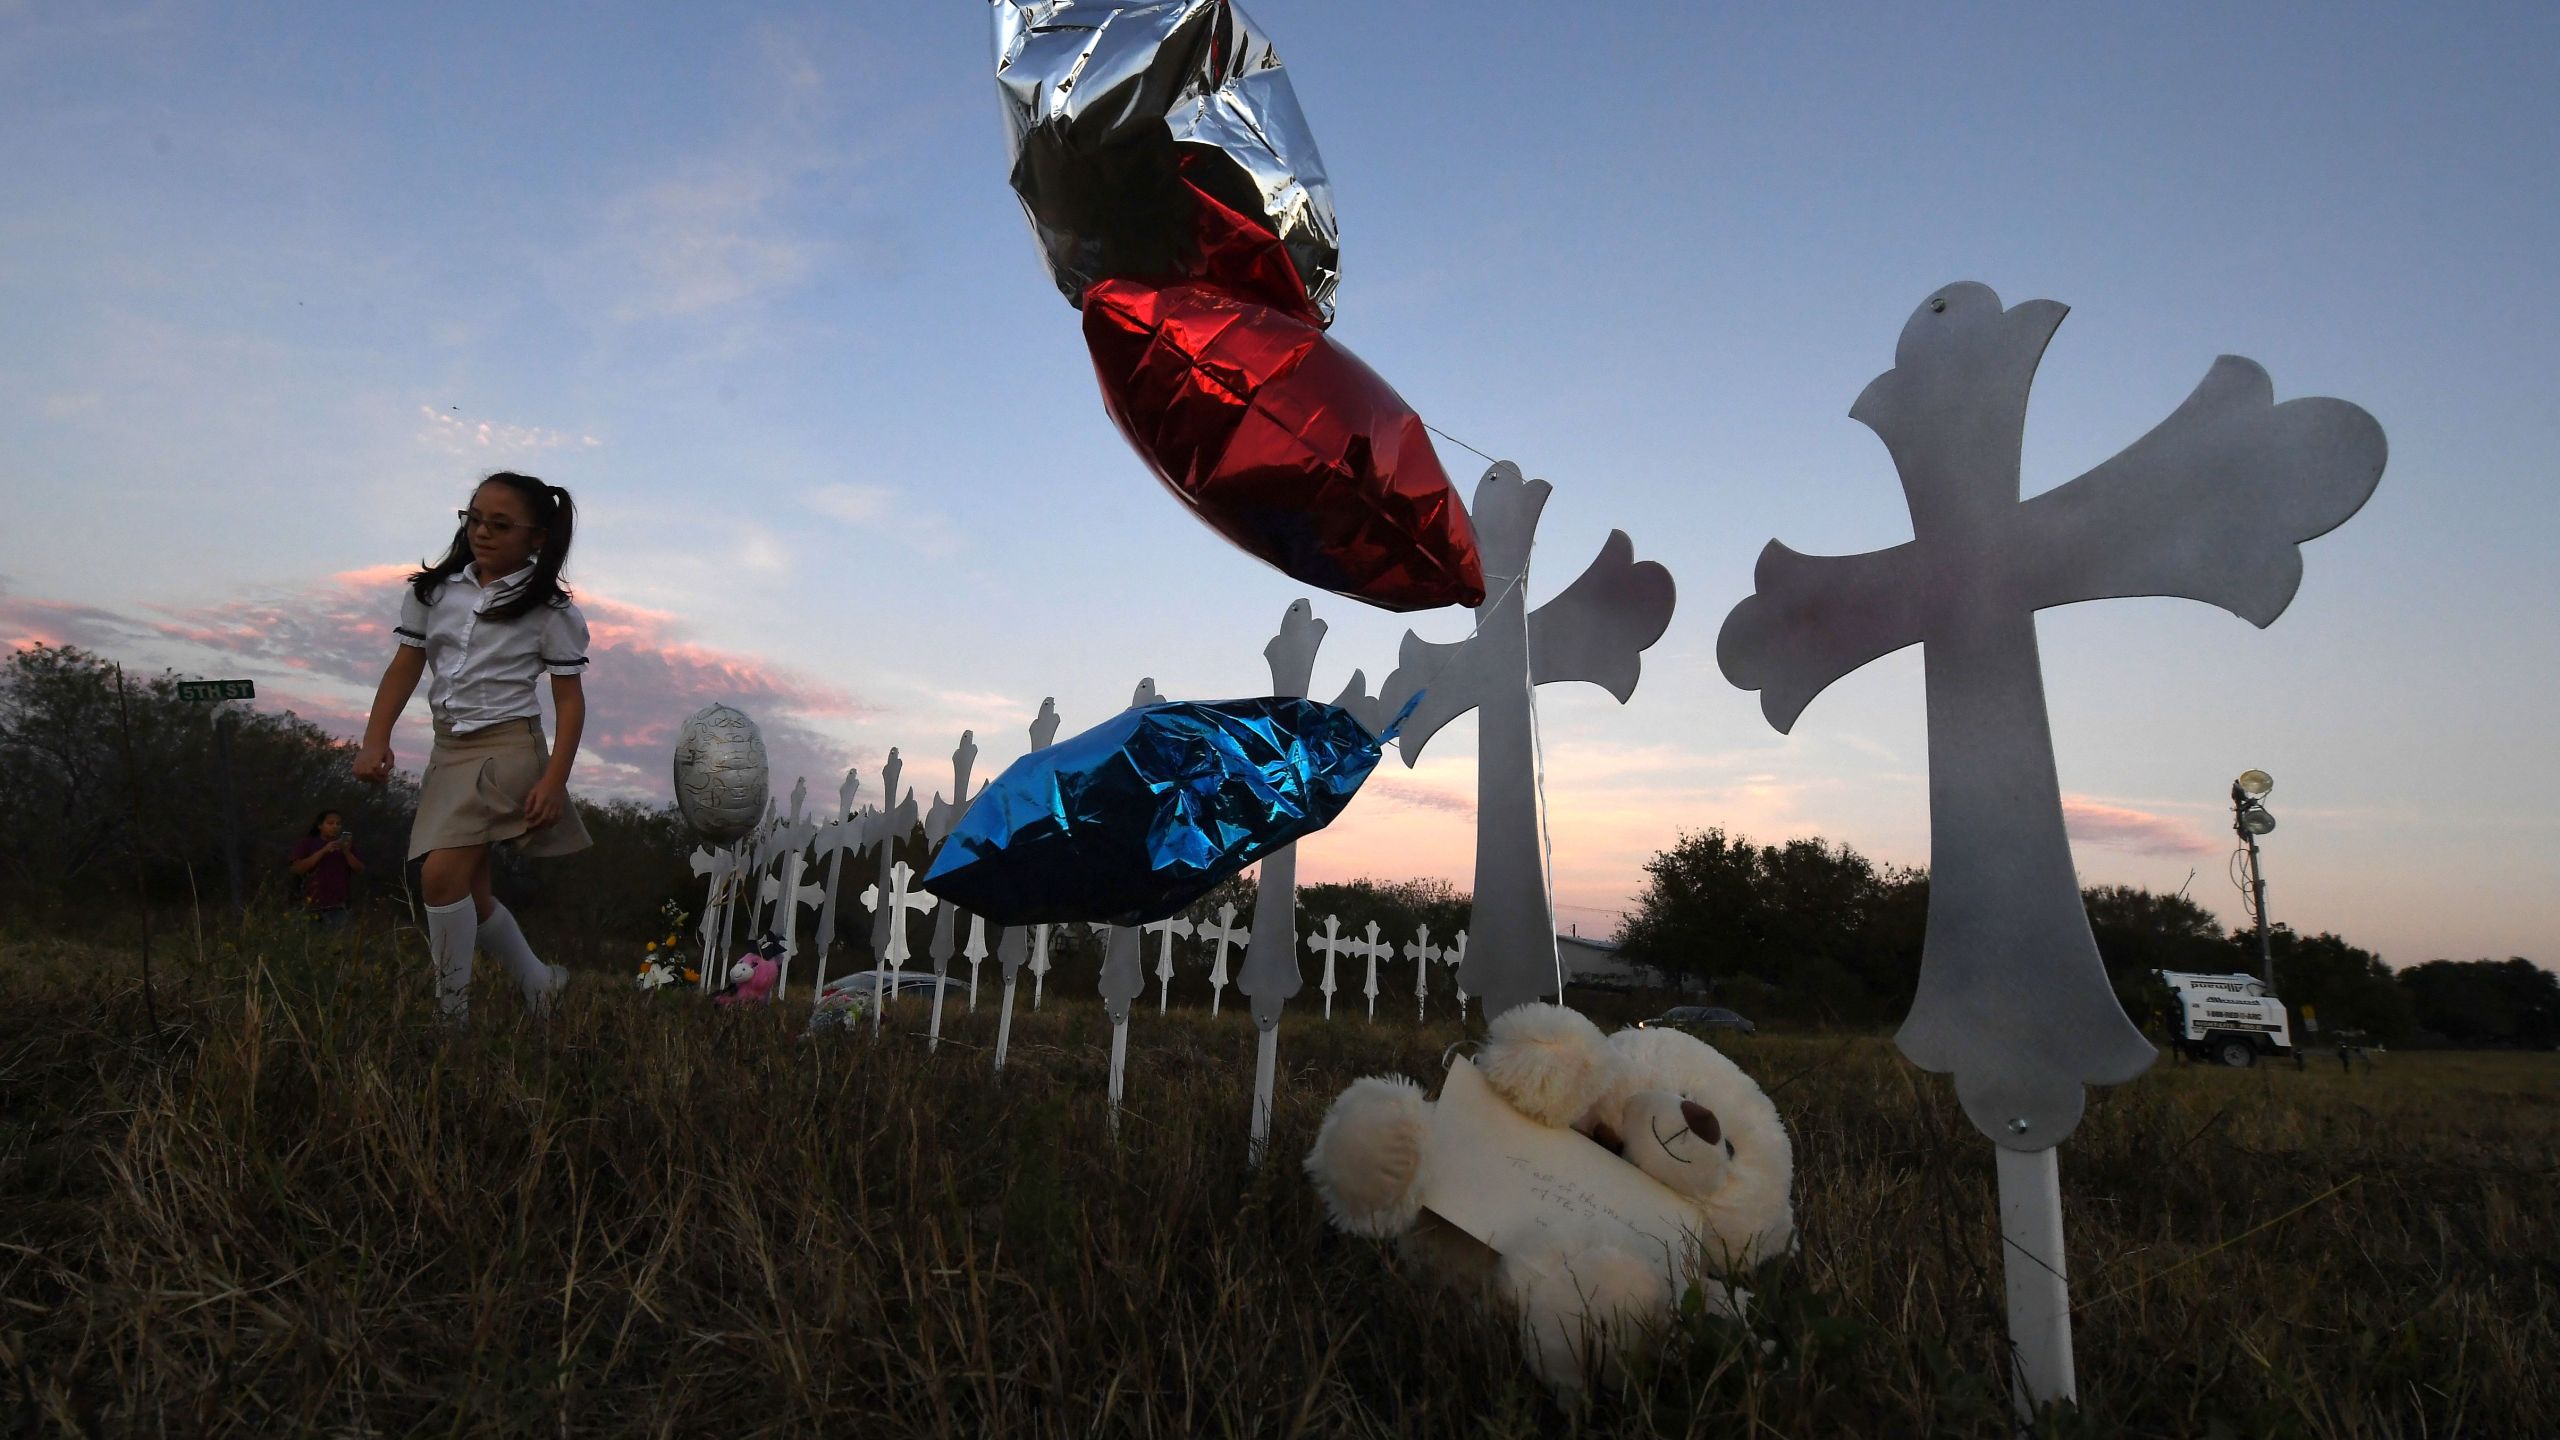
pixel 1664 1102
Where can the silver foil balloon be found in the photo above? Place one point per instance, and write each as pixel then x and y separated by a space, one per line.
pixel 720 773
pixel 1110 104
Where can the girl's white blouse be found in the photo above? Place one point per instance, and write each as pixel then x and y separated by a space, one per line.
pixel 483 669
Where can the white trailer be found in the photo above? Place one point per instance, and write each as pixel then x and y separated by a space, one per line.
pixel 2228 1018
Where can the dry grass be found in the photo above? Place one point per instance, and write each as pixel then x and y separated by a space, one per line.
pixel 304 1210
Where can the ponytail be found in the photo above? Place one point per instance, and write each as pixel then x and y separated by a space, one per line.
pixel 557 517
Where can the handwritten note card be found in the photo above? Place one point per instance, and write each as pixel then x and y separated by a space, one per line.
pixel 1513 1184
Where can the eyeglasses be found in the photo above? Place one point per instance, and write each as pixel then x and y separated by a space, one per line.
pixel 496 527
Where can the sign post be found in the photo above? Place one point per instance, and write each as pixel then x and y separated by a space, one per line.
pixel 214 692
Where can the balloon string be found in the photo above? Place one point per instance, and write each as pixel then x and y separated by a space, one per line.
pixel 1461 444
pixel 1546 832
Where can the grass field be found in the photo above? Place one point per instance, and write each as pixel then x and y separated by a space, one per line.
pixel 303 1209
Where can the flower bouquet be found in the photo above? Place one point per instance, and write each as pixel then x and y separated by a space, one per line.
pixel 660 964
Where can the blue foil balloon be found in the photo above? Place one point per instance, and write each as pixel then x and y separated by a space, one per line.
pixel 1139 816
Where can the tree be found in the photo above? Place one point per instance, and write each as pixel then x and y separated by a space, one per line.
pixel 67 796
pixel 2347 987
pixel 2139 931
pixel 1399 906
pixel 1808 925
pixel 2475 1002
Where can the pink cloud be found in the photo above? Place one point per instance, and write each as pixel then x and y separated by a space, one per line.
pixel 335 633
pixel 1398 793
pixel 2118 827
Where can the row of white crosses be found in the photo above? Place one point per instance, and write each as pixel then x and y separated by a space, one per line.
pixel 2013 1000
pixel 1330 945
pixel 1595 630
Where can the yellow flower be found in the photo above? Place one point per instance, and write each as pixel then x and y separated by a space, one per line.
pixel 693 977
pixel 653 947
pixel 671 941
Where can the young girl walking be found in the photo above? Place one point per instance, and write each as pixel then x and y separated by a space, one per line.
pixel 487 619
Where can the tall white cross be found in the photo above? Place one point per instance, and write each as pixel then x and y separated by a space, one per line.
pixel 1271 959
pixel 2213 505
pixel 790 896
pixel 786 843
pixel 721 865
pixel 1422 953
pixel 1455 957
pixel 975 951
pixel 1020 943
pixel 888 905
pixel 938 824
pixel 1329 944
pixel 885 829
pixel 1220 934
pixel 1596 629
pixel 1038 964
pixel 834 838
pixel 1123 979
pixel 1373 950
pixel 1168 928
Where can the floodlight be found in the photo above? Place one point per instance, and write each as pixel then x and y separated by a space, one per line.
pixel 2256 820
pixel 2254 783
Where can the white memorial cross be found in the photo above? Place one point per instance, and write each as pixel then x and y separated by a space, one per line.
pixel 1596 629
pixel 1422 953
pixel 1373 950
pixel 741 909
pixel 834 838
pixel 788 894
pixel 1455 957
pixel 1019 943
pixel 2213 505
pixel 888 905
pixel 1329 944
pixel 1220 934
pixel 884 829
pixel 1271 977
pixel 975 951
pixel 1124 976
pixel 1038 964
pixel 938 824
pixel 1124 979
pixel 1169 928
pixel 782 843
pixel 721 865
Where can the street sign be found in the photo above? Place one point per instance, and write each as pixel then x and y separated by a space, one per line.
pixel 217 690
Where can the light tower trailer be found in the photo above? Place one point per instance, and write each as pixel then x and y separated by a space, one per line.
pixel 2228 1018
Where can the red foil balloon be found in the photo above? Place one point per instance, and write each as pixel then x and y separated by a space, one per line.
pixel 1283 442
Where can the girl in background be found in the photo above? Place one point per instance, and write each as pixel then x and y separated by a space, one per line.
pixel 325 858
pixel 486 620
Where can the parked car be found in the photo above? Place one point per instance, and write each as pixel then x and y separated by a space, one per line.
pixel 1699 1017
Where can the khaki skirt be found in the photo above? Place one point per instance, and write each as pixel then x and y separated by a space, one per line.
pixel 474 793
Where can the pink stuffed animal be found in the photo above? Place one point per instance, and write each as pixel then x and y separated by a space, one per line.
pixel 752 978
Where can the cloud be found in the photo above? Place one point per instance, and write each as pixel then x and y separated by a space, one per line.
pixel 2119 827
pixel 453 435
pixel 852 504
pixel 1397 792
pixel 319 649
pixel 705 238
pixel 26 622
pixel 928 533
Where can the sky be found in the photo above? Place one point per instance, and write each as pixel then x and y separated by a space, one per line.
pixel 279 282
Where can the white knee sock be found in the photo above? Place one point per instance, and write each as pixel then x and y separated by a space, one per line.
pixel 449 941
pixel 505 942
